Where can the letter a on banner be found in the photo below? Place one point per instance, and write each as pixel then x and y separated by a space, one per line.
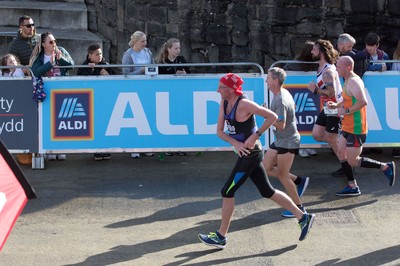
pixel 15 191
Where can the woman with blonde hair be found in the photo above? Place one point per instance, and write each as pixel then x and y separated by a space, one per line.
pixel 46 55
pixel 137 54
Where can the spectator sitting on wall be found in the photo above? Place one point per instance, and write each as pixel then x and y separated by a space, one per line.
pixel 371 51
pixel 345 46
pixel 137 54
pixel 93 58
pixel 45 56
pixel 170 54
pixel 11 60
pixel 305 55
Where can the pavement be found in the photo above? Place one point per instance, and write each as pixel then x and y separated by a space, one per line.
pixel 148 212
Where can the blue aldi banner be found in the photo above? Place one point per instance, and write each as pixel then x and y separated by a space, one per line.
pixel 383 109
pixel 140 113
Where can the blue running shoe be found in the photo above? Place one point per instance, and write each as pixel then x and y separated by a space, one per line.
pixel 305 225
pixel 302 186
pixel 390 173
pixel 349 192
pixel 213 239
pixel 289 214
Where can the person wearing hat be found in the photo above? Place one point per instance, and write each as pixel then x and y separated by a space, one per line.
pixel 243 134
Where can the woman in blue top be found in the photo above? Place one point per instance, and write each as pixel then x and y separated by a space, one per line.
pixel 138 54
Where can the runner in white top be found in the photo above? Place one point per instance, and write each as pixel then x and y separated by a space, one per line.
pixel 329 88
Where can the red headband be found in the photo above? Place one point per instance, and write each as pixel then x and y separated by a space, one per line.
pixel 234 82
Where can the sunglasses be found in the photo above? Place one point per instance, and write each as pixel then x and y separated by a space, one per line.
pixel 29 25
pixel 52 41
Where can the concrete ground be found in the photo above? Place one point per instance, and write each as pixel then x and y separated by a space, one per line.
pixel 148 212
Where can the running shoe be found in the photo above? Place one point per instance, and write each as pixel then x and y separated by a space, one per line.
pixel 61 157
pixel 51 157
pixel 349 192
pixel 106 156
pixel 305 225
pixel 289 214
pixel 97 157
pixel 390 173
pixel 135 155
pixel 312 152
pixel 301 188
pixel 303 153
pixel 213 239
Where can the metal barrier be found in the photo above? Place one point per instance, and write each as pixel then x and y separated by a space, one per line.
pixel 22 67
pixel 210 65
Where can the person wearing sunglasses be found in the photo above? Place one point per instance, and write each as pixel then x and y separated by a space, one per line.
pixel 22 46
pixel 46 55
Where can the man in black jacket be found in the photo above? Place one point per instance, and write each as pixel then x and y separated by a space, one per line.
pixel 345 46
pixel 25 41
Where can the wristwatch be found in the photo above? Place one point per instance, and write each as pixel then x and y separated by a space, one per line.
pixel 347 111
pixel 258 133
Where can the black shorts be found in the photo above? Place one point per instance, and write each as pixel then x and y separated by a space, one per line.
pixel 331 123
pixel 353 140
pixel 283 150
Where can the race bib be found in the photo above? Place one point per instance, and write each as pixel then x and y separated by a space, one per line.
pixel 330 112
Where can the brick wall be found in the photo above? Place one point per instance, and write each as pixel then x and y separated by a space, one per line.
pixel 260 31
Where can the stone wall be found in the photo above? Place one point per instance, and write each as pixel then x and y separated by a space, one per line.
pixel 260 31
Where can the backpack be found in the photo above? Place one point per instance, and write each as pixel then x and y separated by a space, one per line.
pixel 38 90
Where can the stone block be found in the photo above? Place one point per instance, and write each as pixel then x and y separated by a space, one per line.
pixel 240 37
pixel 155 29
pixel 239 24
pixel 238 9
pixel 307 28
pixel 393 7
pixel 172 28
pixel 333 29
pixel 173 16
pixel 240 53
pixel 218 34
pixel 366 6
pixel 172 4
pixel 197 35
pixel 333 3
pixel 310 13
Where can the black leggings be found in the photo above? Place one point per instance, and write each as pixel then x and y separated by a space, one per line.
pixel 248 166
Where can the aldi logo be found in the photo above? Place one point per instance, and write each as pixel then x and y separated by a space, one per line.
pixel 72 114
pixel 307 107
